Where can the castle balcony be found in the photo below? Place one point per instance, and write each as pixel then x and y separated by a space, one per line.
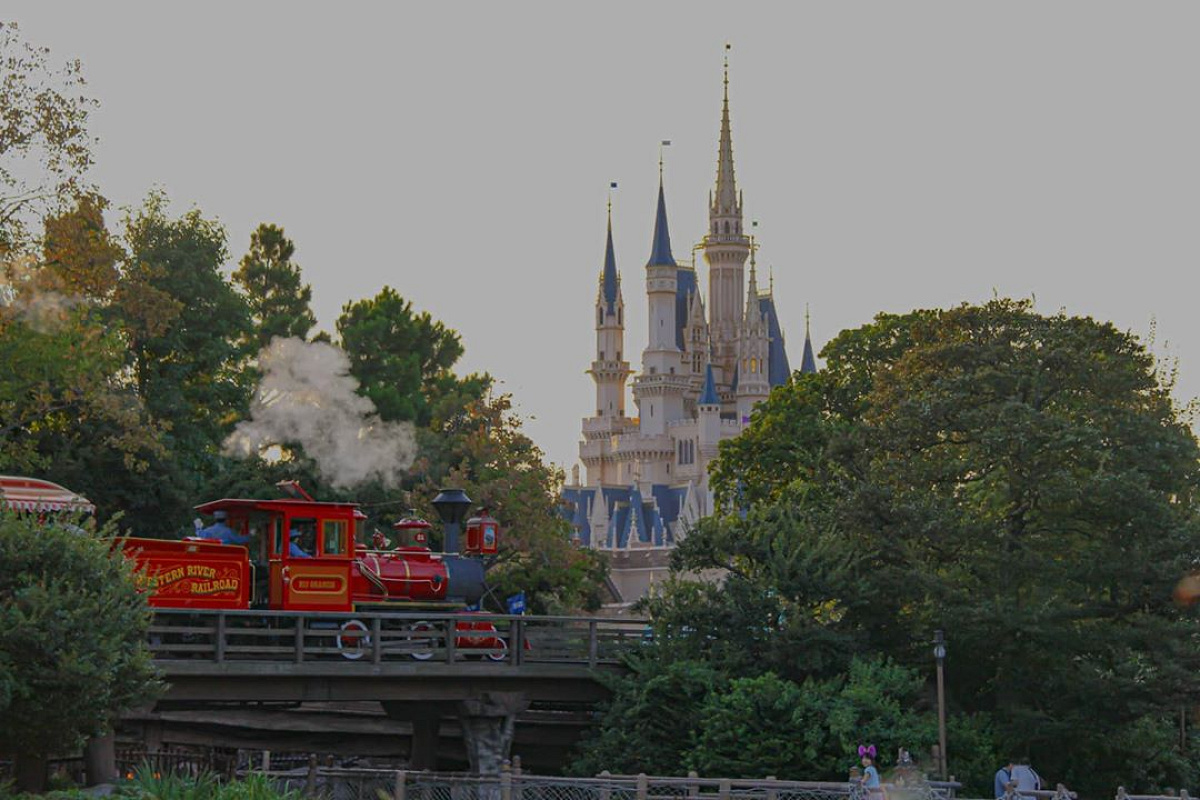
pixel 638 445
pixel 598 427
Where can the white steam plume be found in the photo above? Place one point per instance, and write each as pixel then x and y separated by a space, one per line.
pixel 307 396
pixel 41 308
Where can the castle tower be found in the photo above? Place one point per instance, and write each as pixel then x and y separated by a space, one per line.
pixel 753 347
pixel 659 389
pixel 609 369
pixel 725 248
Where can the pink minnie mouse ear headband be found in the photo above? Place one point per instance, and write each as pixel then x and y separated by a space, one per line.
pixel 866 750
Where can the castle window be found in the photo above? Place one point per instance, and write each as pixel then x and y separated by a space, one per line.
pixel 601 355
pixel 727 226
pixel 754 365
pixel 599 316
pixel 619 315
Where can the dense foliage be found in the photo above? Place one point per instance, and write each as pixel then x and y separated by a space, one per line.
pixel 1022 482
pixel 73 631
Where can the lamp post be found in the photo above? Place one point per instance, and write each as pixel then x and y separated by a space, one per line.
pixel 939 653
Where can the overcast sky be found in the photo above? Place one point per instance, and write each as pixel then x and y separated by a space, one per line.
pixel 896 155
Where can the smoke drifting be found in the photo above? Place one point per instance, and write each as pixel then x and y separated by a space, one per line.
pixel 25 298
pixel 308 397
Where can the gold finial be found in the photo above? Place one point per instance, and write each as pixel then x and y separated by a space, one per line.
pixel 771 283
pixel 806 320
pixel 663 143
pixel 727 47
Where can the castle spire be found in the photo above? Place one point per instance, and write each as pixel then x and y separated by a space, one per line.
pixel 808 363
pixel 610 282
pixel 660 250
pixel 725 200
pixel 752 311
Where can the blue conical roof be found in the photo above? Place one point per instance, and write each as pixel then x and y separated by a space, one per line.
pixel 708 397
pixel 660 250
pixel 610 272
pixel 808 364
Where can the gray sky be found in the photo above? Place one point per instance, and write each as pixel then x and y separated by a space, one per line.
pixel 897 155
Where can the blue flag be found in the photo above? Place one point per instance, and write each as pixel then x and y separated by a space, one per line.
pixel 516 603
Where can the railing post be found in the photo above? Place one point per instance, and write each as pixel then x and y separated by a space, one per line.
pixel 376 643
pixel 643 786
pixel 310 781
pixel 266 761
pixel 693 787
pixel 299 639
pixel 772 792
pixel 1121 793
pixel 723 789
pixel 219 644
pixel 451 639
pixel 605 788
pixel 518 641
pixel 593 644
pixel 505 781
pixel 399 780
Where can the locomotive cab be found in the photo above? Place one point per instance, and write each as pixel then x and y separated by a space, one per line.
pixel 303 549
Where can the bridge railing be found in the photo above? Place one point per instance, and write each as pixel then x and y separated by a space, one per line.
pixel 391 637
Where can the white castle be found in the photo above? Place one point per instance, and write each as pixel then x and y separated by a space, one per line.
pixel 704 368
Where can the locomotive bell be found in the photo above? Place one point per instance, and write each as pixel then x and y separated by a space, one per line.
pixel 452 506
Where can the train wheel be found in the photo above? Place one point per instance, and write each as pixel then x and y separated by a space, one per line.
pixel 422 640
pixel 353 639
pixel 499 653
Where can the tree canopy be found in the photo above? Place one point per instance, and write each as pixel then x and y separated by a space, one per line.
pixel 73 629
pixel 1021 481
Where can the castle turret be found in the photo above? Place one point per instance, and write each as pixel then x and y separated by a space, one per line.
pixel 660 387
pixel 753 352
pixel 808 364
pixel 609 369
pixel 725 248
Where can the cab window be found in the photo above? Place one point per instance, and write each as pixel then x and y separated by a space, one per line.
pixel 302 537
pixel 333 537
pixel 276 536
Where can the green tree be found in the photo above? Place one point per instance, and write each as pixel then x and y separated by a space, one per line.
pixel 44 122
pixel 278 299
pixel 401 359
pixel 1022 481
pixel 185 326
pixel 484 451
pixel 73 628
pixel 63 390
pixel 652 720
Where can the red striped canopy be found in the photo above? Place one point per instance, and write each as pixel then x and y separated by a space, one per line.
pixel 31 494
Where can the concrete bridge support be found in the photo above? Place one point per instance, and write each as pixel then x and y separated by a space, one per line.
pixel 487 725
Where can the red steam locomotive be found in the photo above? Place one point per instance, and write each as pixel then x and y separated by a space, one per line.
pixel 299 554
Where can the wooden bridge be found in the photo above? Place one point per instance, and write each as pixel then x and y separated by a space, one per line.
pixel 488 677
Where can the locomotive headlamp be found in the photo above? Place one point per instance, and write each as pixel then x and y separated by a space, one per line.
pixel 452 506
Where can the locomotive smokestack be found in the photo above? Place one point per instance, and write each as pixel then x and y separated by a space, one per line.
pixel 452 506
